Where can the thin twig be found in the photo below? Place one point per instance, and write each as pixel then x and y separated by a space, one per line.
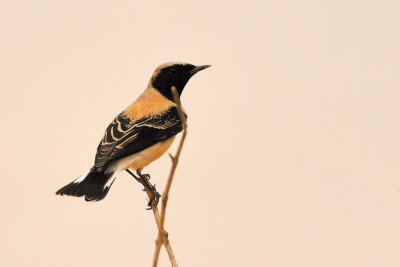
pixel 167 244
pixel 161 231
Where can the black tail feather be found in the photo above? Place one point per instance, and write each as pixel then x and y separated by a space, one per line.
pixel 94 186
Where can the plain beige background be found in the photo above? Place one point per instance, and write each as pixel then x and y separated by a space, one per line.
pixel 293 152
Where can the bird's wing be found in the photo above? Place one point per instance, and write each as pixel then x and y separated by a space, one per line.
pixel 124 137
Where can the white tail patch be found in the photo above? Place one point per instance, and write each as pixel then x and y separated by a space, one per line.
pixel 81 178
pixel 110 181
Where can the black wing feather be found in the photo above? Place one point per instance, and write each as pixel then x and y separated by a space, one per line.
pixel 124 137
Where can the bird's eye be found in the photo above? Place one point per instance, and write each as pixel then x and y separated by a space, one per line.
pixel 174 71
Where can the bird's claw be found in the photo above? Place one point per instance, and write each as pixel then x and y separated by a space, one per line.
pixel 154 198
pixel 143 179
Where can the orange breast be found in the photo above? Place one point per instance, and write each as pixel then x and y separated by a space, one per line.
pixel 145 157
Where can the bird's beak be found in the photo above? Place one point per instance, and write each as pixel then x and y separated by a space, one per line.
pixel 199 68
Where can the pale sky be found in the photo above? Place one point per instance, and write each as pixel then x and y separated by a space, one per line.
pixel 293 153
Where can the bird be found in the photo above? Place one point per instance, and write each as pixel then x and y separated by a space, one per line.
pixel 138 135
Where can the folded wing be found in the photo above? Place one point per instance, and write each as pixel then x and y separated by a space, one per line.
pixel 124 136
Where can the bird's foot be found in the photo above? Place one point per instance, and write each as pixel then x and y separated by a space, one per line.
pixel 144 180
pixel 155 197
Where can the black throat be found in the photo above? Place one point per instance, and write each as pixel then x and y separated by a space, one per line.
pixel 176 75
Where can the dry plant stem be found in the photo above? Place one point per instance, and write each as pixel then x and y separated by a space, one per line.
pixel 167 244
pixel 161 231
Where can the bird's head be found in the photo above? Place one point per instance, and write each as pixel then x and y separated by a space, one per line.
pixel 173 74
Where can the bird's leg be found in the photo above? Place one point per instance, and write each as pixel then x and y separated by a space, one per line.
pixel 143 179
pixel 152 188
pixel 139 179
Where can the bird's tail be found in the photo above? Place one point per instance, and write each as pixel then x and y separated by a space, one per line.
pixel 94 185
